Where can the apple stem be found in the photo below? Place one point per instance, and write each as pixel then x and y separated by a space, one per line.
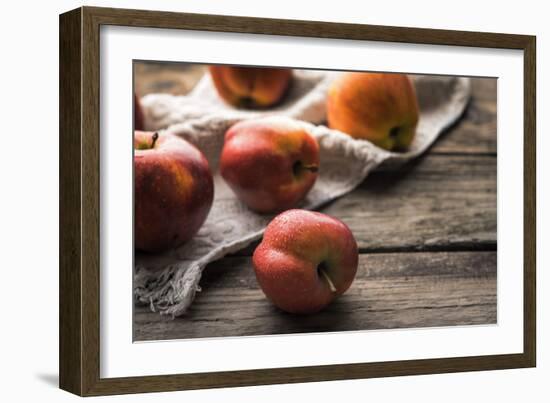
pixel 329 281
pixel 155 138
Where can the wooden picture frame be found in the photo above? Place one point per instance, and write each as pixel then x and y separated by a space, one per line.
pixel 79 201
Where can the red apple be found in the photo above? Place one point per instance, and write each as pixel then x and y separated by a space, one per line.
pixel 250 87
pixel 174 190
pixel 379 107
pixel 305 260
pixel 139 117
pixel 270 164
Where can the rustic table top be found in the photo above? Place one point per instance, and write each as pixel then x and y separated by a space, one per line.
pixel 426 235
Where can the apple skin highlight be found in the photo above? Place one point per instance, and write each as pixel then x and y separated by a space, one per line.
pixel 305 260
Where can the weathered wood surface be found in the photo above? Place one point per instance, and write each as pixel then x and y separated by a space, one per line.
pixel 396 290
pixel 436 201
pixel 476 132
pixel 427 237
pixel 169 78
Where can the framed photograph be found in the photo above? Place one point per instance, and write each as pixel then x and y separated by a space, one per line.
pixel 249 201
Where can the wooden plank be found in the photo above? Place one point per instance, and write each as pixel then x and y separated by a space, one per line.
pixel 396 290
pixel 166 77
pixel 476 131
pixel 434 203
pixel 70 207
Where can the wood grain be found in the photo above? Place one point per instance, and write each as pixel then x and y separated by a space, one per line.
pixel 70 181
pixel 396 290
pixel 530 203
pixel 435 202
pixel 476 132
pixel 166 78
